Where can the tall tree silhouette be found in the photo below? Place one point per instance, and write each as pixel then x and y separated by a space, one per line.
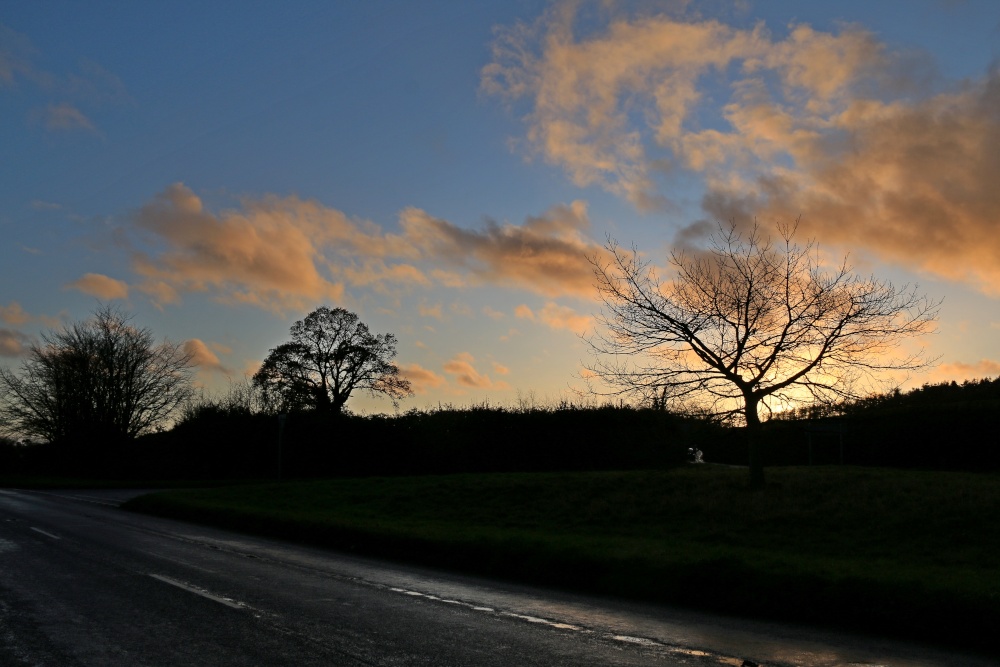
pixel 748 320
pixel 102 381
pixel 331 355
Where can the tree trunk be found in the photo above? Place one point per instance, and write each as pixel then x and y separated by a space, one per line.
pixel 754 444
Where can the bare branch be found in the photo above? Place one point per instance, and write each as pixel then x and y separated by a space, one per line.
pixel 748 320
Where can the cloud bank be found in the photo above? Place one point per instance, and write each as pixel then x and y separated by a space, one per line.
pixel 101 286
pixel 284 252
pixel 833 126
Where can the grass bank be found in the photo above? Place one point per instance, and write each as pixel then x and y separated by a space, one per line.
pixel 907 553
pixel 42 482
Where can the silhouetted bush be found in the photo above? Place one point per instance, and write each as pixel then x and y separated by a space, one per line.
pixel 216 443
pixel 942 427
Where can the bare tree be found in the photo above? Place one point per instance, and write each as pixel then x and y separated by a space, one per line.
pixel 747 322
pixel 331 354
pixel 102 381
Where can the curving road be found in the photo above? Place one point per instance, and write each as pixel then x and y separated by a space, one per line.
pixel 84 583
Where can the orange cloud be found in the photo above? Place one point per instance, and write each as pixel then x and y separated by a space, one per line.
pixel 430 311
pixel 421 379
pixel 101 286
pixel 467 375
pixel 282 253
pixel 267 255
pixel 14 314
pixel 161 292
pixel 563 317
pixel 203 357
pixel 557 317
pixel 832 126
pixel 959 371
pixel 377 273
pixel 13 343
pixel 547 254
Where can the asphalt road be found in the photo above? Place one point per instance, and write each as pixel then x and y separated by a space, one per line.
pixel 85 583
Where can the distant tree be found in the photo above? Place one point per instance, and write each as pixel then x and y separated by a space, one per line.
pixel 331 355
pixel 101 382
pixel 748 320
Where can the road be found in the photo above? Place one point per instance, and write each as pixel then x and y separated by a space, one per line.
pixel 85 583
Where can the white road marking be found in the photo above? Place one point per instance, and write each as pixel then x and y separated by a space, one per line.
pixel 39 530
pixel 94 501
pixel 559 625
pixel 544 621
pixel 86 499
pixel 197 591
pixel 635 640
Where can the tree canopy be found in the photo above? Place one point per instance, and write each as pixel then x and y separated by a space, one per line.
pixel 749 321
pixel 101 381
pixel 331 355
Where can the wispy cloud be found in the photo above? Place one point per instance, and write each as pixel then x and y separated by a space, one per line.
pixel 832 126
pixel 267 255
pixel 14 314
pixel 430 311
pixel 203 357
pixel 64 118
pixel 466 375
pixel 420 378
pixel 546 254
pixel 557 317
pixel 101 286
pixel 13 343
pixel 89 85
pixel 16 55
pixel 966 371
pixel 282 253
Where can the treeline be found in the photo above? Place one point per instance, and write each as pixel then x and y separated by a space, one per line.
pixel 216 443
pixel 981 395
pixel 943 426
pixel 938 426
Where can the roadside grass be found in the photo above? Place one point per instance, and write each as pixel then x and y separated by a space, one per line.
pixel 908 553
pixel 45 482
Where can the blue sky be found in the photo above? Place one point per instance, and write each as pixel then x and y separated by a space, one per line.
pixel 220 169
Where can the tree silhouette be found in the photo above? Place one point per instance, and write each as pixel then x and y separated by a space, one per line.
pixel 747 321
pixel 331 355
pixel 102 382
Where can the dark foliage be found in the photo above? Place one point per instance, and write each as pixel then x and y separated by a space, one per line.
pixel 947 426
pixel 936 427
pixel 747 321
pixel 216 443
pixel 93 387
pixel 331 355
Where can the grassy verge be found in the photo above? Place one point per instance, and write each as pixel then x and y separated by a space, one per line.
pixel 42 482
pixel 899 552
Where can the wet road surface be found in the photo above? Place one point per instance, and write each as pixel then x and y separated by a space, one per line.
pixel 85 583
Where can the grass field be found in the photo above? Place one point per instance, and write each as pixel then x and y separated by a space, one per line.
pixel 891 552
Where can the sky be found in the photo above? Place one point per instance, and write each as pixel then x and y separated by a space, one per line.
pixel 444 169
